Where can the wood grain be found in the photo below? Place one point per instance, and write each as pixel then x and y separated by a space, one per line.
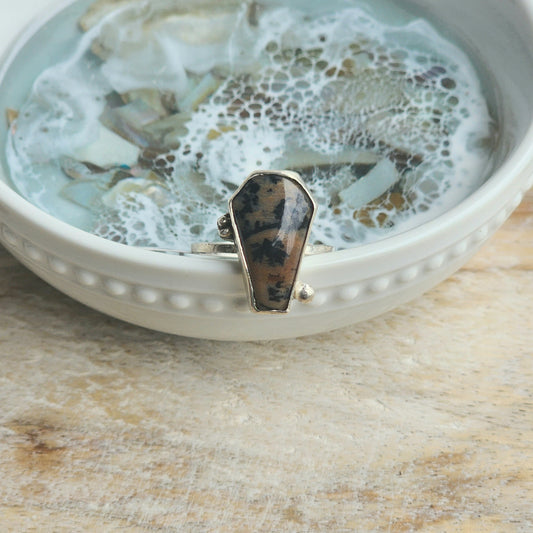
pixel 420 420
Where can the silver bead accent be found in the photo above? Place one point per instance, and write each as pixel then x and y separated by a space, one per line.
pixel 304 293
pixel 225 229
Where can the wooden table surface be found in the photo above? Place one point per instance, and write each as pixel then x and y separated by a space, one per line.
pixel 419 420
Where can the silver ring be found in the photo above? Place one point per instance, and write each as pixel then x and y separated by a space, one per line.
pixel 268 223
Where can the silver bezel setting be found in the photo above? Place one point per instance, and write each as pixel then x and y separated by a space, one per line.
pixel 295 177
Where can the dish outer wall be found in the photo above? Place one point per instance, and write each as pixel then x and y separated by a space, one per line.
pixel 205 297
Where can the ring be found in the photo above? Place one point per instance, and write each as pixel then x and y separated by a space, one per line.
pixel 269 222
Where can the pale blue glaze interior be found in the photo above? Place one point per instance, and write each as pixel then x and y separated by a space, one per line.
pixel 503 56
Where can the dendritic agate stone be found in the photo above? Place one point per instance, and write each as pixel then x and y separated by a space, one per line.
pixel 272 214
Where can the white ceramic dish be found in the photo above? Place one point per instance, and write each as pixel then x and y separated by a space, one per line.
pixel 205 297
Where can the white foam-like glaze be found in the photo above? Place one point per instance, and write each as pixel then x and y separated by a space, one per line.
pixel 299 103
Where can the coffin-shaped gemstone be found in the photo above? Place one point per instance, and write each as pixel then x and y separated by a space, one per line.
pixel 272 215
